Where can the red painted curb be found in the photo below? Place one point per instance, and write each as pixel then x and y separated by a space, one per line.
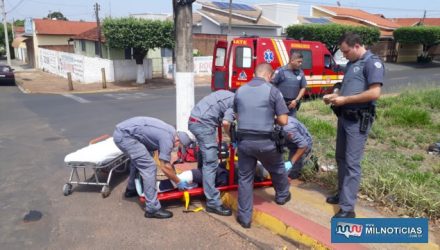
pixel 298 222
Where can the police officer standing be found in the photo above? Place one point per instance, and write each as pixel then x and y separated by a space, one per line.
pixel 210 112
pixel 139 137
pixel 354 104
pixel 256 105
pixel 291 81
pixel 299 142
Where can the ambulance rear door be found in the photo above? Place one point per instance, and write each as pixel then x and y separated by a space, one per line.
pixel 242 61
pixel 220 67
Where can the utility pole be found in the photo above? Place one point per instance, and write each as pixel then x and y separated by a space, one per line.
pixel 98 25
pixel 424 16
pixel 184 77
pixel 5 27
pixel 230 17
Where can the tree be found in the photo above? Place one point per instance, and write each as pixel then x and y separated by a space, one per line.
pixel 139 34
pixel 19 22
pixel 330 33
pixel 2 40
pixel 428 36
pixel 56 15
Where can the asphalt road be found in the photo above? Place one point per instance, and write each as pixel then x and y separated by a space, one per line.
pixel 37 131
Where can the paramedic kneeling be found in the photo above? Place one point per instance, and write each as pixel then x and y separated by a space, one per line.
pixel 256 105
pixel 139 137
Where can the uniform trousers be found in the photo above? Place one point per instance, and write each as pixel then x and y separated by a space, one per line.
pixel 350 144
pixel 265 151
pixel 142 160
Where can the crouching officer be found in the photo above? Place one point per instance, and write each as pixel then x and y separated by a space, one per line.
pixel 354 104
pixel 299 142
pixel 206 116
pixel 256 105
pixel 138 137
pixel 291 82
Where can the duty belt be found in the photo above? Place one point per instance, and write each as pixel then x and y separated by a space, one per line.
pixel 194 120
pixel 248 136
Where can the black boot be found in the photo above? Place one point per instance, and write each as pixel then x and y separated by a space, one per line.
pixel 333 199
pixel 159 214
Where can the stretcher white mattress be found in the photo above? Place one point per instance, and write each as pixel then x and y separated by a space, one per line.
pixel 97 154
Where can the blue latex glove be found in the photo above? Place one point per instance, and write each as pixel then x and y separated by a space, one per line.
pixel 183 185
pixel 288 165
pixel 234 145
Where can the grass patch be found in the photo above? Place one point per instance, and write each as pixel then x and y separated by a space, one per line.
pixel 397 172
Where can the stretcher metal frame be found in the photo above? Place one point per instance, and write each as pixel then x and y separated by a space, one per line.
pixel 176 194
pixel 118 165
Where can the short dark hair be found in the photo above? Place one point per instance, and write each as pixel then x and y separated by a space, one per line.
pixel 295 55
pixel 350 39
pixel 263 68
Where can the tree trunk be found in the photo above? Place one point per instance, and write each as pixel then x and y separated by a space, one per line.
pixel 184 78
pixel 139 56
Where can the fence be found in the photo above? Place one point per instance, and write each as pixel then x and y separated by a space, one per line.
pixel 88 69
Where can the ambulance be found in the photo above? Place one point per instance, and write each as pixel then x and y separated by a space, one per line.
pixel 234 66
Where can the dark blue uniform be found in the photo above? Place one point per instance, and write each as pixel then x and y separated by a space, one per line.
pixel 203 122
pixel 350 141
pixel 256 104
pixel 289 82
pixel 139 137
pixel 297 137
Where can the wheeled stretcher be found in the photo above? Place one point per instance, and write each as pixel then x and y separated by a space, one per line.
pixel 100 157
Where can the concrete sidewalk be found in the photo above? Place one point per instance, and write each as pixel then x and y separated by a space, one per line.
pixel 37 81
pixel 305 219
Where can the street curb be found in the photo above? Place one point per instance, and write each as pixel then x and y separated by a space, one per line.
pixel 292 226
pixel 21 88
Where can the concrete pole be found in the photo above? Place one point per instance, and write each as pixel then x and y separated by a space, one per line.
pixel 104 80
pixel 184 63
pixel 5 27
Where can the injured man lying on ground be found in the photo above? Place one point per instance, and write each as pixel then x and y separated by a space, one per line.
pixel 195 178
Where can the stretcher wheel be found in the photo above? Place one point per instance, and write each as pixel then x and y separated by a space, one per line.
pixel 105 191
pixel 67 189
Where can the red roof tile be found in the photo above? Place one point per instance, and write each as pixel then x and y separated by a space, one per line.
pixel 405 22
pixel 351 22
pixel 61 27
pixel 91 35
pixel 372 19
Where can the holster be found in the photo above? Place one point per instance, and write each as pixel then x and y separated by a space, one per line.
pixel 233 133
pixel 279 137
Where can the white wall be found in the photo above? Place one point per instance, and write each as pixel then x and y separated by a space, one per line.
pixel 202 66
pixel 83 69
pixel 126 70
pixel 283 14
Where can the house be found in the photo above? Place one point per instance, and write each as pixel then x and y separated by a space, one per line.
pixel 410 52
pixel 385 48
pixel 19 44
pixel 245 20
pixel 51 34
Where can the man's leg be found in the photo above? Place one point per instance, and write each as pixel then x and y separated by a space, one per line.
pixel 355 144
pixel 206 137
pixel 246 172
pixel 341 146
pixel 272 160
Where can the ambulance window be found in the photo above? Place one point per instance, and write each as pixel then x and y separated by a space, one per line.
pixel 307 58
pixel 243 57
pixel 220 57
pixel 327 61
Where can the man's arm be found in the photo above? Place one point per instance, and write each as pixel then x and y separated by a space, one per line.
pixel 299 152
pixel 168 170
pixel 282 119
pixel 372 94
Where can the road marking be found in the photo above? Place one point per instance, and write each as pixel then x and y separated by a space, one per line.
pixel 76 98
pixel 125 96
